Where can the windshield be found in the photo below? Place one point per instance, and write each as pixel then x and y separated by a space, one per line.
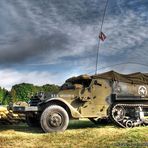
pixel 84 83
pixel 67 85
pixel 76 84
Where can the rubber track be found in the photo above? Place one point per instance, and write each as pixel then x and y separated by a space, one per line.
pixel 124 105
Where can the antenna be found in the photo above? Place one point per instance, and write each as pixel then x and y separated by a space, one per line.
pixel 99 42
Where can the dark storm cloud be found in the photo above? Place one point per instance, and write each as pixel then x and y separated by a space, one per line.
pixel 37 31
pixel 80 12
pixel 29 29
pixel 44 40
pixel 21 50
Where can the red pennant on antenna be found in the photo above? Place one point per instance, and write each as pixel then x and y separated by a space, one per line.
pixel 102 36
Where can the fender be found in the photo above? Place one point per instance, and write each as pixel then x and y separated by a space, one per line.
pixel 73 111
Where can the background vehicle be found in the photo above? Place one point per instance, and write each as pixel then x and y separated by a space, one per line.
pixel 121 98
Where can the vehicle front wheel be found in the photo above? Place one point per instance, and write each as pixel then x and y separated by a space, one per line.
pixel 54 119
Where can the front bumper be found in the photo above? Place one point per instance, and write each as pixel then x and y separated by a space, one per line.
pixel 24 109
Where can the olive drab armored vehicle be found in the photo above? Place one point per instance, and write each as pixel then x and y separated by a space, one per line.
pixel 121 98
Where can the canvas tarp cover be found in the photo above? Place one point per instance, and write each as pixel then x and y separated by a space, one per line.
pixel 78 78
pixel 135 78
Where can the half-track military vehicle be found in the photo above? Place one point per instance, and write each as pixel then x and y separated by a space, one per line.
pixel 118 97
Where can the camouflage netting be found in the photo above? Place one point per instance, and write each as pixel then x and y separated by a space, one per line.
pixel 135 78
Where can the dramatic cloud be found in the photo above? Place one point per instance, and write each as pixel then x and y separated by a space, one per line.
pixel 62 36
pixel 10 77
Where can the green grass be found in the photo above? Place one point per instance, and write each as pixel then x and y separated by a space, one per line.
pixel 79 134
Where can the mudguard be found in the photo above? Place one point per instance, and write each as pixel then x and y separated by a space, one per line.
pixel 73 111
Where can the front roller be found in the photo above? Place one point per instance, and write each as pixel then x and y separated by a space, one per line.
pixel 54 119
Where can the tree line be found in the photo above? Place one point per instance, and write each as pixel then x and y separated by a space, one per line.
pixel 23 92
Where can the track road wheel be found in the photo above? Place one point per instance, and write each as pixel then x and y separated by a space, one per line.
pixel 118 113
pixel 54 119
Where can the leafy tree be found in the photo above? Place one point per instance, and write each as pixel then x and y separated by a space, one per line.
pixel 23 91
pixel 6 97
pixel 1 95
pixel 50 88
pixel 13 95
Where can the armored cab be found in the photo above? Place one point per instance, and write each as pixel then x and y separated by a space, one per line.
pixel 120 98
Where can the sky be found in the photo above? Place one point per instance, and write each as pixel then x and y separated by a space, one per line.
pixel 48 41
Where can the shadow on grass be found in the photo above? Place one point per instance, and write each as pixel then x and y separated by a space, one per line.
pixel 22 127
pixel 74 124
pixel 82 124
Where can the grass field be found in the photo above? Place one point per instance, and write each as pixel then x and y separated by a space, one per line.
pixel 79 134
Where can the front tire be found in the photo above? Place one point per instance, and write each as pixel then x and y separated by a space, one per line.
pixel 54 119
